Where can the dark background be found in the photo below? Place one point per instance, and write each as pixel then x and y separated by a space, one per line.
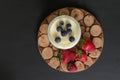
pixel 19 56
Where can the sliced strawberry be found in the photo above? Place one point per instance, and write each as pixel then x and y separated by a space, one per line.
pixel 88 46
pixel 68 56
pixel 82 58
pixel 72 67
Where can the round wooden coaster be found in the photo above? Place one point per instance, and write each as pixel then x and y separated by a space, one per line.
pixel 91 29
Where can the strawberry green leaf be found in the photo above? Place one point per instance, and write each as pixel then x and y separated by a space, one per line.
pixel 59 55
pixel 82 41
pixel 79 53
pixel 69 65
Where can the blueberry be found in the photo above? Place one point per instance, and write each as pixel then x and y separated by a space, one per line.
pixel 64 33
pixel 59 29
pixel 71 39
pixel 69 31
pixel 57 39
pixel 61 23
pixel 68 26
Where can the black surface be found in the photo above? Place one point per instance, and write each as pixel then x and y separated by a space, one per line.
pixel 19 56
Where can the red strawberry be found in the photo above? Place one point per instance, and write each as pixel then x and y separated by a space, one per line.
pixel 68 56
pixel 88 46
pixel 72 67
pixel 82 58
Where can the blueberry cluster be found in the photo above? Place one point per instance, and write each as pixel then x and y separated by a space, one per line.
pixel 63 32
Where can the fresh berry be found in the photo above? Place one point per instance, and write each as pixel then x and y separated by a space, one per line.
pixel 63 33
pixel 61 23
pixel 68 26
pixel 69 31
pixel 88 46
pixel 71 39
pixel 82 58
pixel 57 39
pixel 59 29
pixel 72 67
pixel 68 56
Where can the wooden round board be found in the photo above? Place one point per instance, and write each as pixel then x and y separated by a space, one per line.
pixel 84 57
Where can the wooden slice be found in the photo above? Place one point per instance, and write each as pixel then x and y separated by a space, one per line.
pixel 98 42
pixel 64 11
pixel 39 34
pixel 86 34
pixel 47 61
pixel 89 61
pixel 51 17
pixel 83 29
pixel 81 22
pixel 77 14
pixel 43 41
pixel 87 29
pixel 95 30
pixel 44 21
pixel 85 12
pixel 64 67
pixel 47 53
pixel 80 66
pixel 56 12
pixel 55 53
pixel 89 20
pixel 95 54
pixel 54 62
pixel 54 48
pixel 43 28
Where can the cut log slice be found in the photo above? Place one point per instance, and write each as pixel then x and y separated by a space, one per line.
pixel 47 53
pixel 101 36
pixel 40 49
pixel 44 21
pixel 85 12
pixel 64 67
pixel 82 29
pixel 39 34
pixel 94 60
pixel 87 29
pixel 95 54
pixel 96 30
pixel 56 12
pixel 51 17
pixel 98 42
pixel 89 20
pixel 81 23
pixel 77 14
pixel 47 61
pixel 64 11
pixel 54 62
pixel 43 41
pixel 55 53
pixel 80 66
pixel 54 48
pixel 44 28
pixel 89 62
pixel 86 35
pixel 61 69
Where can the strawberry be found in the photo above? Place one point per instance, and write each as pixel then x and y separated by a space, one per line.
pixel 68 56
pixel 82 58
pixel 72 67
pixel 88 45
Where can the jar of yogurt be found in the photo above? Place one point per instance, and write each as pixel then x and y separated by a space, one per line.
pixel 64 32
